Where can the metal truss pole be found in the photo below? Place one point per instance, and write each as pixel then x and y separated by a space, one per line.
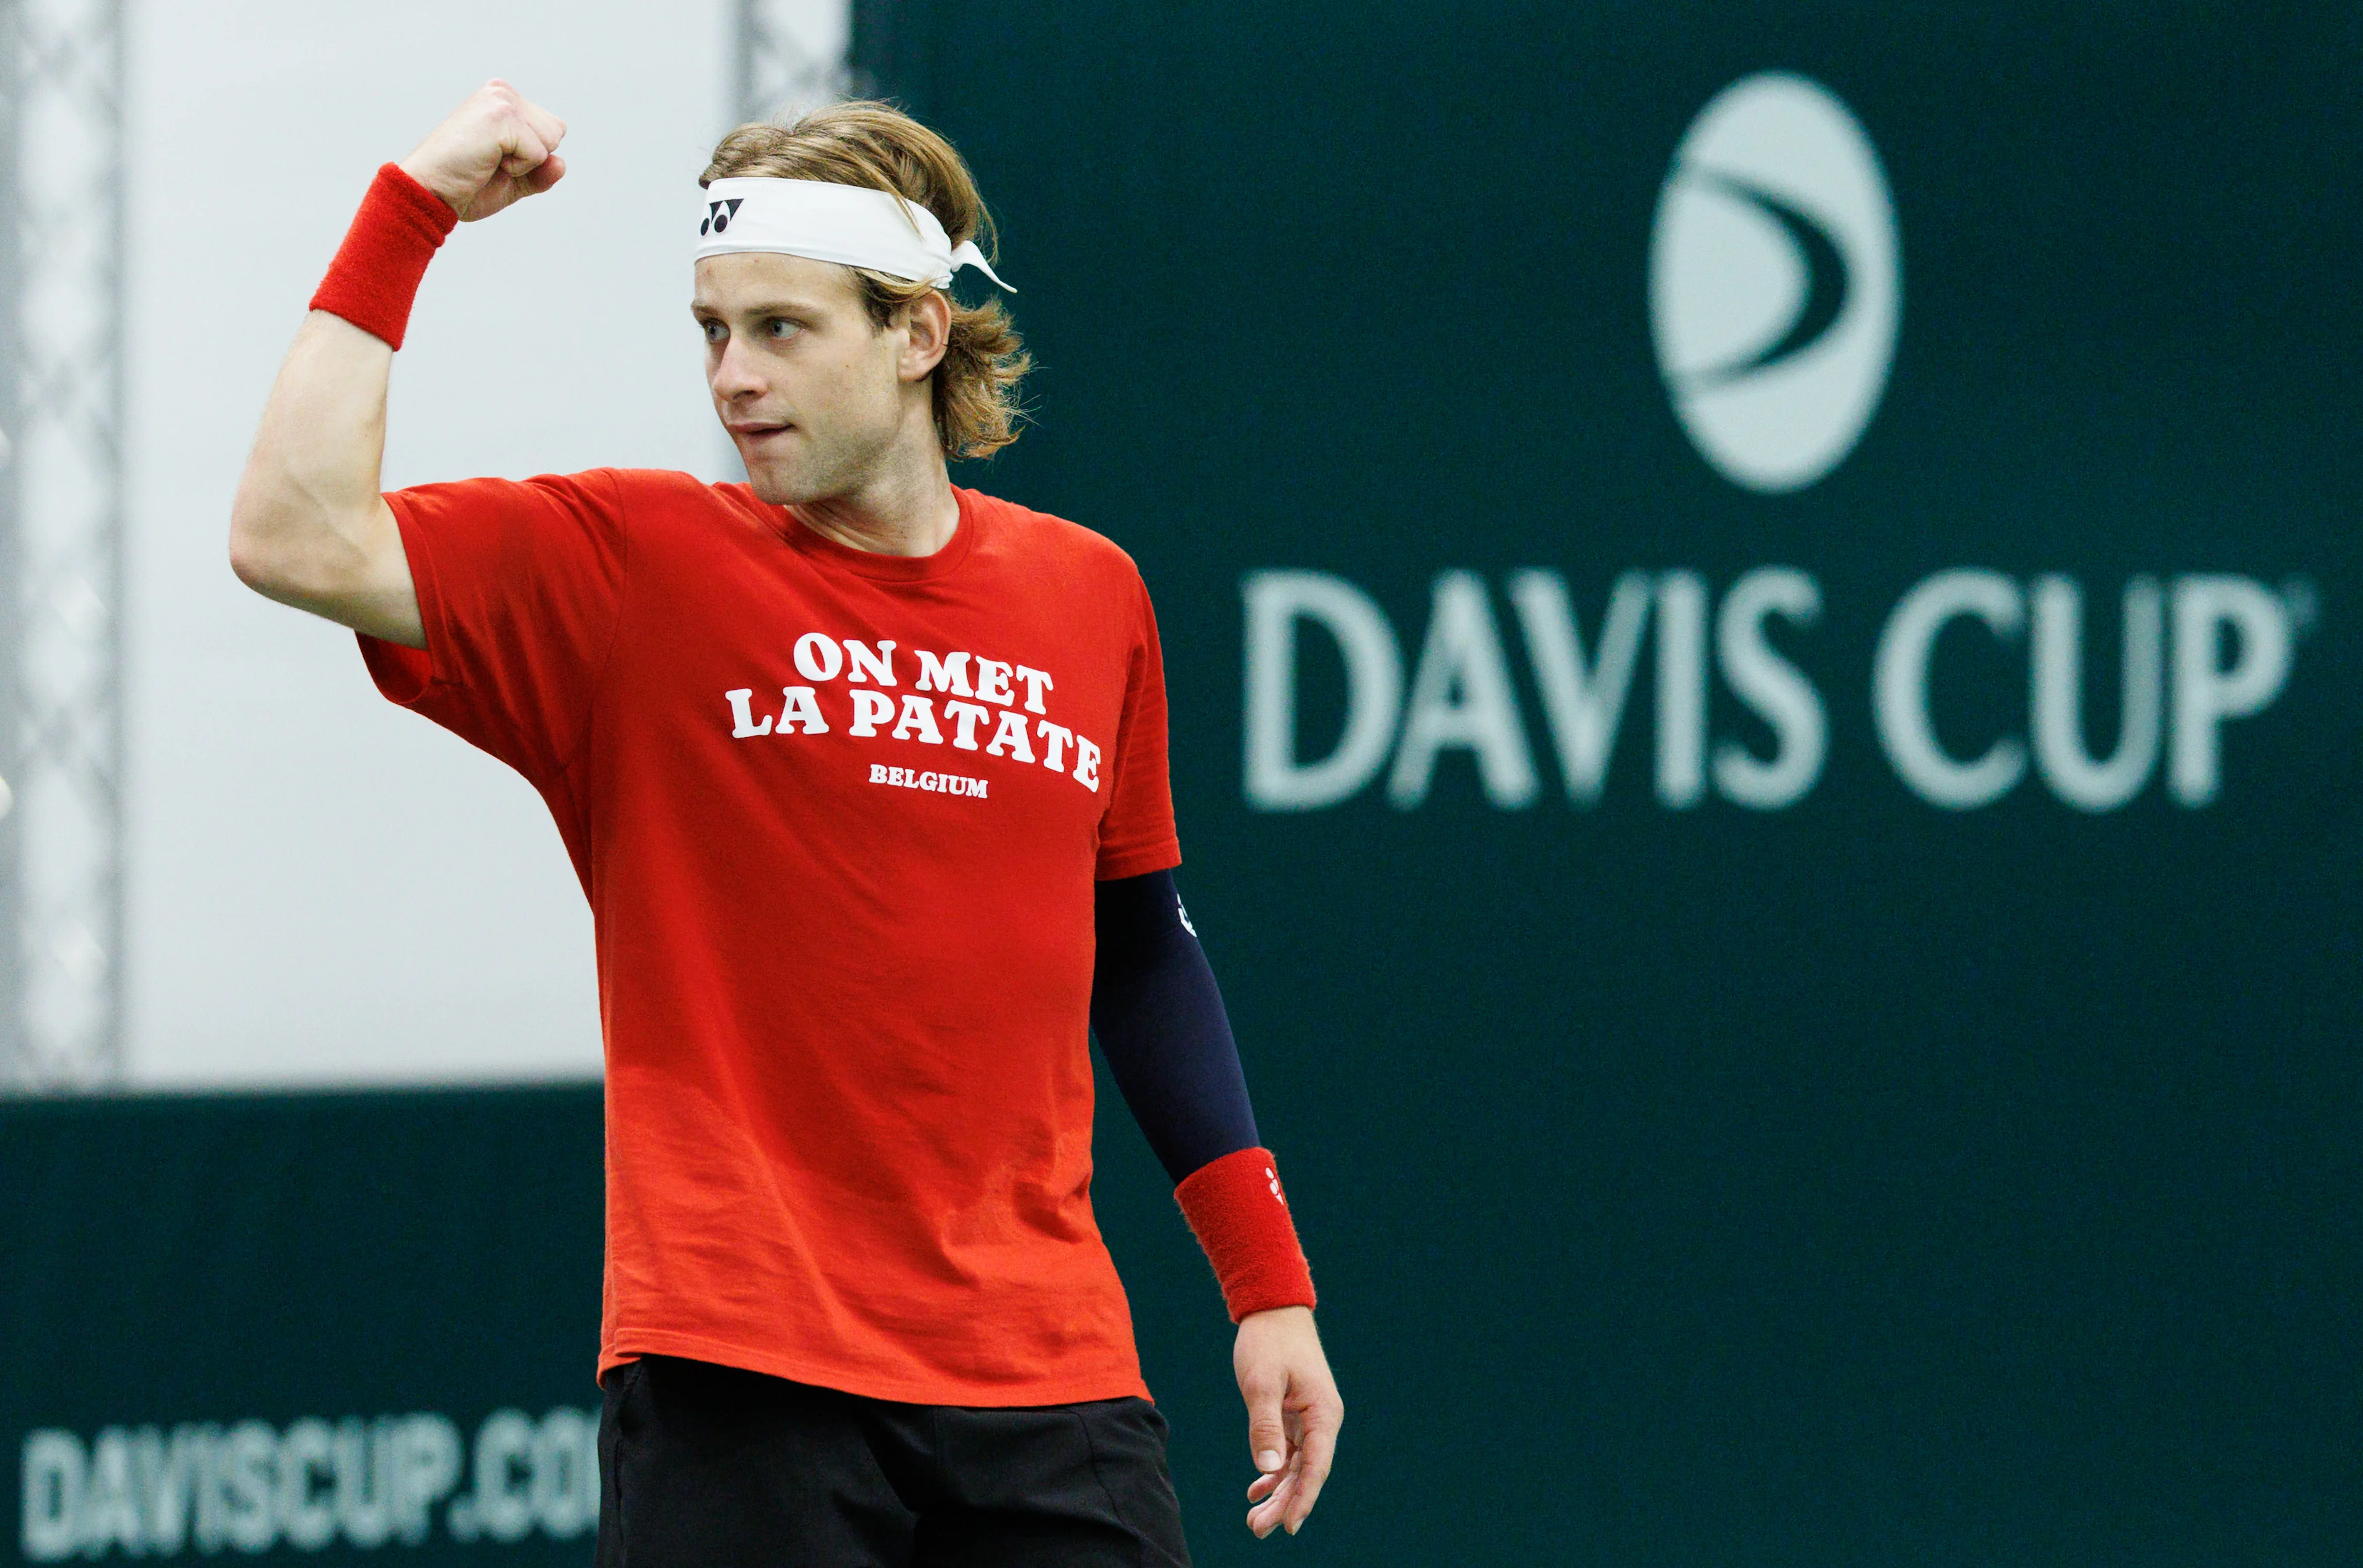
pixel 61 506
pixel 15 1052
pixel 788 57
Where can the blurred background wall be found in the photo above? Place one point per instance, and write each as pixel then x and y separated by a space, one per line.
pixel 299 851
pixel 1761 602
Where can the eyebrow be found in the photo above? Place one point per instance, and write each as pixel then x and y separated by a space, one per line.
pixel 760 307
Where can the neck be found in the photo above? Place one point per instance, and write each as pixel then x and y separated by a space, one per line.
pixel 905 507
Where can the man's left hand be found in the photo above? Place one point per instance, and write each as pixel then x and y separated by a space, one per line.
pixel 1293 1414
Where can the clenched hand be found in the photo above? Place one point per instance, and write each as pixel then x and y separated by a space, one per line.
pixel 496 150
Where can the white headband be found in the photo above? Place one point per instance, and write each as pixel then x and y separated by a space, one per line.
pixel 852 225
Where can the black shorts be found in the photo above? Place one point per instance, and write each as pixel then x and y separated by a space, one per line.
pixel 704 1466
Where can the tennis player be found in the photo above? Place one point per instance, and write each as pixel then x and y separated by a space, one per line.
pixel 864 775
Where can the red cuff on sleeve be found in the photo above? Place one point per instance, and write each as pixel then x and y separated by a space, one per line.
pixel 375 275
pixel 1235 1206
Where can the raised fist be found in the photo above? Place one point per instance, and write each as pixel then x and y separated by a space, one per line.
pixel 494 150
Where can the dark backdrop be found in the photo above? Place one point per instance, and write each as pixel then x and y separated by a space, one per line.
pixel 1855 1182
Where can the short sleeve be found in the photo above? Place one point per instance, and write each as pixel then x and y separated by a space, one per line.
pixel 520 587
pixel 1136 834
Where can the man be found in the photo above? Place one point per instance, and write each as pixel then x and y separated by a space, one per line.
pixel 864 776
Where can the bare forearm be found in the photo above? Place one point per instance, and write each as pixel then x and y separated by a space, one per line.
pixel 308 528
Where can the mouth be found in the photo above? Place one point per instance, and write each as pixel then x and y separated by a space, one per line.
pixel 757 430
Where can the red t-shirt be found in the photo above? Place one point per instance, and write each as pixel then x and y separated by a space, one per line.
pixel 838 815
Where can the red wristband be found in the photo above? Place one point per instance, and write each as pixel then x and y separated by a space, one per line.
pixel 1235 1206
pixel 375 275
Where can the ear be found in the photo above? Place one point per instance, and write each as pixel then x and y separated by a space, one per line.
pixel 927 334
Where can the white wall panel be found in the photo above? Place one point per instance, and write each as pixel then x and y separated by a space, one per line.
pixel 326 889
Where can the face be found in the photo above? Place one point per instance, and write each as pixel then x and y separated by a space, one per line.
pixel 815 394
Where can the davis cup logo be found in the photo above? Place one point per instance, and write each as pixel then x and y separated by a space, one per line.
pixel 1774 282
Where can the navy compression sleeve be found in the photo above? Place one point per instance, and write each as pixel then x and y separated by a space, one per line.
pixel 1160 1023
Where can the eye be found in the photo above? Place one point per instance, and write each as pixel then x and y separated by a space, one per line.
pixel 714 330
pixel 781 327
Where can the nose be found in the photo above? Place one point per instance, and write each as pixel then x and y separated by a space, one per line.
pixel 735 374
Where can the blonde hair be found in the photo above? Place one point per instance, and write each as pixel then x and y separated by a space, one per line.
pixel 877 145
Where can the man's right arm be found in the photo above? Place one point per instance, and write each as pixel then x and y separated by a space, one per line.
pixel 309 527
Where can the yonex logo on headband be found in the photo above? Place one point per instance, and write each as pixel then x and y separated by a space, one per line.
pixel 854 226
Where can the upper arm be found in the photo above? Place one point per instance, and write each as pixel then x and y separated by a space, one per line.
pixel 357 575
pixel 308 527
pixel 1136 833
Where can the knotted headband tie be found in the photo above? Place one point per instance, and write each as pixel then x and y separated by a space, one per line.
pixel 851 225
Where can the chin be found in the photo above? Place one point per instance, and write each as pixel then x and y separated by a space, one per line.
pixel 802 471
pixel 769 491
pixel 781 485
